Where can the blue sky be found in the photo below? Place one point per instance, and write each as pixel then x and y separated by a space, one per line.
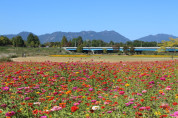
pixel 131 18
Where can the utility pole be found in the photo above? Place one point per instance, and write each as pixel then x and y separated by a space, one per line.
pixel 75 42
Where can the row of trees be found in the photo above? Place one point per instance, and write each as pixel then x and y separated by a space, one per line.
pixel 75 42
pixel 17 41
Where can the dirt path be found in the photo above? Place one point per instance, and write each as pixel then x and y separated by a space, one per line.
pixel 93 58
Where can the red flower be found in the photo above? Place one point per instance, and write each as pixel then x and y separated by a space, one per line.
pixel 138 114
pixel 142 100
pixel 174 103
pixel 74 108
pixel 163 116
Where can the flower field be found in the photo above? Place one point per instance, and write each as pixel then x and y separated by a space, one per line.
pixel 89 89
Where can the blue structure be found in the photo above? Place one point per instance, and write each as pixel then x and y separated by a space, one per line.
pixel 110 49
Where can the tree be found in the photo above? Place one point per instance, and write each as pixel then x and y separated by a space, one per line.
pixel 132 50
pixel 18 41
pixel 116 48
pixel 105 51
pixel 171 44
pixel 80 49
pixel 36 41
pixel 64 41
pixel 79 41
pixel 125 49
pixel 33 40
pixel 111 43
pixel 4 41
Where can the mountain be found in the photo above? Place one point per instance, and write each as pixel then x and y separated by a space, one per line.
pixel 156 38
pixel 106 36
pixel 24 35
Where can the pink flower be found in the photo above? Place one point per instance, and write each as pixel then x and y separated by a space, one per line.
pixel 168 88
pixel 175 114
pixel 93 101
pixel 106 102
pixel 139 94
pixel 144 91
pixel 131 102
pixel 163 79
pixel 11 113
pixel 127 104
pixel 27 98
pixel 75 104
pixel 43 117
pixel 121 92
pixel 90 89
pixel 5 88
pixel 109 112
pixel 132 99
pixel 134 107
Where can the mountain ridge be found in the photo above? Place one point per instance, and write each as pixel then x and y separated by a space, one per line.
pixel 156 38
pixel 105 35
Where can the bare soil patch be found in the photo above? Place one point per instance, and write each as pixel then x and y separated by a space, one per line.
pixel 92 58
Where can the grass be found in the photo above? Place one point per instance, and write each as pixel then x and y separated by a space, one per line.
pixel 54 54
pixel 42 51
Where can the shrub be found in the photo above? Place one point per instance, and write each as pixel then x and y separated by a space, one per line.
pixel 5 59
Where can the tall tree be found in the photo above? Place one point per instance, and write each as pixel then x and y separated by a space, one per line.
pixel 18 41
pixel 80 49
pixel 79 41
pixel 64 41
pixel 32 40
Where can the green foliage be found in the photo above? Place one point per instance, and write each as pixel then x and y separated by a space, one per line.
pixel 52 44
pixel 116 48
pixel 76 41
pixel 64 41
pixel 105 51
pixel 4 41
pixel 173 44
pixel 137 43
pixel 5 59
pixel 80 49
pixel 32 40
pixel 18 41
pixel 132 50
pixel 111 43
pixel 126 49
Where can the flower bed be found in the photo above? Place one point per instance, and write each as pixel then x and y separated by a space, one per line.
pixel 88 89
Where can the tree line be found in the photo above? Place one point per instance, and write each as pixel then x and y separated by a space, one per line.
pixel 75 42
pixel 33 41
pixel 17 41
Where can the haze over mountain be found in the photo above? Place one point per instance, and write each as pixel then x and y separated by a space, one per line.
pixel 106 36
pixel 156 38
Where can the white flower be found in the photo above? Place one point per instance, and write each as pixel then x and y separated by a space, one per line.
pixel 38 103
pixel 95 108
